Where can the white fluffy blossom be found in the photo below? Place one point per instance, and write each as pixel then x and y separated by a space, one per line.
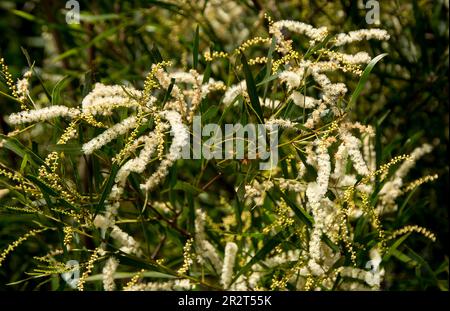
pixel 291 78
pixel 391 190
pixel 104 98
pixel 257 191
pixel 304 101
pixel 358 58
pixel 178 285
pixel 138 164
pixel 43 114
pixel 226 19
pixel 234 91
pixel 206 250
pixel 362 34
pixel 129 244
pixel 108 273
pixel 228 264
pixel 353 145
pixel 283 123
pixel 284 257
pixel 417 153
pixel 316 190
pixel 23 85
pixel 292 185
pixel 180 139
pixel 315 34
pixel 110 134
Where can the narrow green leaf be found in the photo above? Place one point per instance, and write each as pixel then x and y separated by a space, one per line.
pixel 269 66
pixel 155 54
pixel 107 189
pixel 394 246
pixel 363 80
pixel 207 73
pixel 15 146
pixel 91 18
pixel 238 208
pixel 327 241
pixel 25 15
pixel 251 89
pixel 405 201
pixel 403 257
pixel 187 187
pixel 422 262
pixel 56 92
pixel 68 149
pixel 195 47
pixel 9 97
pixel 23 164
pixel 268 79
pixel 169 90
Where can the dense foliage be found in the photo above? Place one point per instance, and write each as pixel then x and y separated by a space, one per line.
pixel 360 131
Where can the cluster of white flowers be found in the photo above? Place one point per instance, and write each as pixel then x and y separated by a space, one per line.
pixel 284 257
pixel 108 272
pixel 234 91
pixel 359 35
pixel 180 140
pixel 292 185
pixel 352 145
pixel 304 101
pixel 228 264
pixel 129 244
pixel 315 193
pixel 172 285
pixel 358 58
pixel 225 17
pixel 269 103
pixel 340 157
pixel 194 78
pixel 283 123
pixel 291 78
pixel 23 86
pixel 138 164
pixel 391 190
pixel 186 100
pixel 206 250
pixel 187 89
pixel 372 278
pixel 257 191
pixel 43 114
pixel 315 34
pixel 316 190
pixel 104 98
pixel 110 134
pixel 331 91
